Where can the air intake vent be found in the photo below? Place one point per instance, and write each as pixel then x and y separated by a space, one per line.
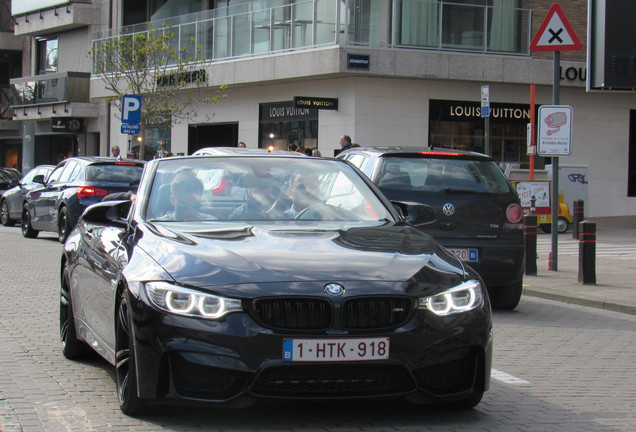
pixel 376 312
pixel 294 313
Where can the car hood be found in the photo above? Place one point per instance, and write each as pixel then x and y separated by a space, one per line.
pixel 281 255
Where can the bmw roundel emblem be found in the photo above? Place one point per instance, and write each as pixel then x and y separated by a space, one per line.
pixel 334 289
pixel 448 209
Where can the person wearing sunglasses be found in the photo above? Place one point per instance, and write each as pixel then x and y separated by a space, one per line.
pixel 304 191
pixel 185 195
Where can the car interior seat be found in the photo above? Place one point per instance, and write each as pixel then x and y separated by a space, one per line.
pixel 394 178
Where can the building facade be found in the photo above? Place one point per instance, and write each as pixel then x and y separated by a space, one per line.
pixel 385 72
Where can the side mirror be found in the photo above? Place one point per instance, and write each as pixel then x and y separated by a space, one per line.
pixel 13 183
pixel 109 213
pixel 38 179
pixel 415 213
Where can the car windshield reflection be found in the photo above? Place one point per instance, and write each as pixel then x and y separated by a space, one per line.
pixel 268 188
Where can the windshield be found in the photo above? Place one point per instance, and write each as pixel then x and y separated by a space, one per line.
pixel 436 175
pixel 260 188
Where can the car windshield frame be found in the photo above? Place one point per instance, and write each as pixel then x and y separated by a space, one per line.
pixel 259 189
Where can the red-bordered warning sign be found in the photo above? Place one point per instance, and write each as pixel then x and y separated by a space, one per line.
pixel 555 33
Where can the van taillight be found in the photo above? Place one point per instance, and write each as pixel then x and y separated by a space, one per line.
pixel 514 213
pixel 89 191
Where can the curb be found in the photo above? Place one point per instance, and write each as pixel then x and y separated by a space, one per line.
pixel 567 298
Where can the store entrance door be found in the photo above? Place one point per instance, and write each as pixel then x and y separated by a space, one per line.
pixel 212 135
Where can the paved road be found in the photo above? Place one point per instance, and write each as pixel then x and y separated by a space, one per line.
pixel 558 367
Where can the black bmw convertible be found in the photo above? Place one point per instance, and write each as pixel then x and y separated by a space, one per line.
pixel 240 277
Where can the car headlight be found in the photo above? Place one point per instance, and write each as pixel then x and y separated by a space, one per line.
pixel 188 302
pixel 461 298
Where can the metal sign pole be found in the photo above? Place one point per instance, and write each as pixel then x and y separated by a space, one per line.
pixel 555 173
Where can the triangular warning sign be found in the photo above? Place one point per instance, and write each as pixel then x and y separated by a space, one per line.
pixel 555 33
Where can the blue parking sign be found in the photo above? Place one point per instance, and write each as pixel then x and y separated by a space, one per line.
pixel 131 109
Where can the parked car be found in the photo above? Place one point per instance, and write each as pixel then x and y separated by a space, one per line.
pixel 345 300
pixel 12 200
pixel 8 175
pixel 478 213
pixel 58 201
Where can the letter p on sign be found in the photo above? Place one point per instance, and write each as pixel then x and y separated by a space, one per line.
pixel 131 109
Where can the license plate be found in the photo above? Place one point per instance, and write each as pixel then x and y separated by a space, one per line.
pixel 335 350
pixel 470 255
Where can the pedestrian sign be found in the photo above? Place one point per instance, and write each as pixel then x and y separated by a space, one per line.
pixel 555 33
pixel 555 130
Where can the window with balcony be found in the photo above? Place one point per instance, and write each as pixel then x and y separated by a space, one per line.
pixel 481 25
pixel 47 55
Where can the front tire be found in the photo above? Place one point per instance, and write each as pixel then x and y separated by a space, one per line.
pixel 125 365
pixel 27 229
pixel 506 297
pixel 72 347
pixel 4 214
pixel 63 225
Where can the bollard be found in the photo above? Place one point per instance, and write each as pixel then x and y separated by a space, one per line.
pixel 530 235
pixel 577 217
pixel 587 253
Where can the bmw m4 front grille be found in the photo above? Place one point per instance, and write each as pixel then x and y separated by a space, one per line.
pixel 363 313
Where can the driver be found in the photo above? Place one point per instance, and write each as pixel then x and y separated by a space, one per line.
pixel 304 191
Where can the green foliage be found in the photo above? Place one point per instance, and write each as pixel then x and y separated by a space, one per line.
pixel 151 63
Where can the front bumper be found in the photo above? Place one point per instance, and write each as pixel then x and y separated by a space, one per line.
pixel 431 358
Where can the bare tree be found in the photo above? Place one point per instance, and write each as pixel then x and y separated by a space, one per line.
pixel 164 70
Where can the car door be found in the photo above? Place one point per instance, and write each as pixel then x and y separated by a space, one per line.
pixel 97 272
pixel 40 197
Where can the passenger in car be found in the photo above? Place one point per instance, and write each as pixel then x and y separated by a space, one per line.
pixel 185 196
pixel 261 196
pixel 304 191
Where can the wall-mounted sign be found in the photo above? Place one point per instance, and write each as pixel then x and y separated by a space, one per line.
pixel 451 110
pixel 66 124
pixel 197 76
pixel 285 111
pixel 315 102
pixel 358 61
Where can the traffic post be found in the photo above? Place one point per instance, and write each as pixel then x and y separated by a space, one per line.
pixel 577 216
pixel 587 253
pixel 555 34
pixel 530 235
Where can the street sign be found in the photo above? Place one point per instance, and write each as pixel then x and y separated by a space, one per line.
pixel 131 109
pixel 485 101
pixel 555 33
pixel 130 129
pixel 555 130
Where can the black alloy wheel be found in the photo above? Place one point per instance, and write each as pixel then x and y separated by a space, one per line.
pixel 4 214
pixel 125 371
pixel 63 225
pixel 72 348
pixel 27 229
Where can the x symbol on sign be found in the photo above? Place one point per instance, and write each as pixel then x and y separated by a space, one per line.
pixel 555 35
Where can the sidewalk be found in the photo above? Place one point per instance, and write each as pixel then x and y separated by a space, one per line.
pixel 615 287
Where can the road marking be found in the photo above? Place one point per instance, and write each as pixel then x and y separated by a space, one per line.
pixel 507 378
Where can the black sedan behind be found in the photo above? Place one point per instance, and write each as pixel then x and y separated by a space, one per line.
pixel 308 285
pixel 12 201
pixel 74 184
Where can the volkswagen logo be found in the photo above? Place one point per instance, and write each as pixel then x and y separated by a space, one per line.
pixel 334 289
pixel 448 209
